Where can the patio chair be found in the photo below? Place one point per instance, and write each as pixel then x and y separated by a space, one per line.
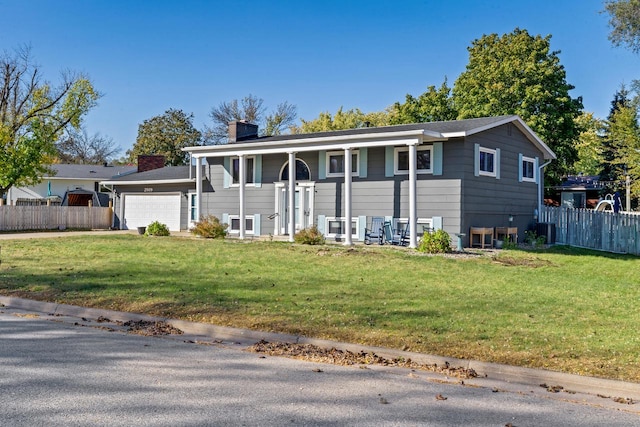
pixel 393 237
pixel 404 236
pixel 375 232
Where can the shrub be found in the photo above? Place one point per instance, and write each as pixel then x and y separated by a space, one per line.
pixel 509 243
pixel 532 238
pixel 210 227
pixel 309 236
pixel 438 242
pixel 157 229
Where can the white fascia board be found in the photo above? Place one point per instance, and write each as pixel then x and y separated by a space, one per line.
pixel 531 135
pixel 59 178
pixel 150 182
pixel 248 150
pixel 520 124
pixel 311 144
pixel 305 145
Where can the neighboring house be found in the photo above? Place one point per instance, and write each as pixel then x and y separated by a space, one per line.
pixel 69 185
pixel 580 191
pixel 154 193
pixel 445 175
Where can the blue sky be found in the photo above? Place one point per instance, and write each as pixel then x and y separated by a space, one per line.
pixel 148 56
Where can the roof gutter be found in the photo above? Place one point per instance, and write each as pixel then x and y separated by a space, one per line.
pixel 150 182
pixel 330 142
pixel 541 186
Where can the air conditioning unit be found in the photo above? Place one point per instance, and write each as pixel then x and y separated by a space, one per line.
pixel 548 230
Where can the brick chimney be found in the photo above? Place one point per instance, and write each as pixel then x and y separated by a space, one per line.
pixel 149 162
pixel 241 130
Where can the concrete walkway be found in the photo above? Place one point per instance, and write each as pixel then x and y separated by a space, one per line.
pixel 596 391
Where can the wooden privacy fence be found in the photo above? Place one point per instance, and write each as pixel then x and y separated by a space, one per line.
pixel 603 231
pixel 18 218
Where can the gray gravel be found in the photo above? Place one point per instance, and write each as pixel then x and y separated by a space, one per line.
pixel 55 373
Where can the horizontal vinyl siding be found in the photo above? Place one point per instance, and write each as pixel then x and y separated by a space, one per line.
pixel 487 201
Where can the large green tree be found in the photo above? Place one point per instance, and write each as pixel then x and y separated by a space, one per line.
pixel 166 134
pixel 517 73
pixel 623 144
pixel 589 145
pixel 252 109
pixel 611 169
pixel 431 106
pixel 34 115
pixel 624 22
pixel 349 119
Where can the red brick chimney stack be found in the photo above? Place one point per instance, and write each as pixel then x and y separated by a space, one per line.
pixel 150 162
pixel 242 130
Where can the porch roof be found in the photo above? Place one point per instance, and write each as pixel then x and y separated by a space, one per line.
pixel 416 133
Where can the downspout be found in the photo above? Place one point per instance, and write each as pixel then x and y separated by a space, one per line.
pixel 113 207
pixel 541 187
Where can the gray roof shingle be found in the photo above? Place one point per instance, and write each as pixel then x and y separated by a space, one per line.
pixel 440 127
pixel 161 174
pixel 92 172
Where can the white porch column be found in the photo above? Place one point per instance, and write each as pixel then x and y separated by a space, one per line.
pixel 413 211
pixel 198 188
pixel 292 195
pixel 347 196
pixel 241 181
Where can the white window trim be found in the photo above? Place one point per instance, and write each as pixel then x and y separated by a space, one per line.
pixel 354 220
pixel 533 166
pixel 247 184
pixel 237 231
pixel 397 150
pixel 421 221
pixel 297 180
pixel 193 197
pixel 329 174
pixel 495 159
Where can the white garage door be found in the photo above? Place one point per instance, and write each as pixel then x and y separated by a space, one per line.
pixel 141 210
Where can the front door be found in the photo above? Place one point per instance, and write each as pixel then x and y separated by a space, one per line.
pixel 303 207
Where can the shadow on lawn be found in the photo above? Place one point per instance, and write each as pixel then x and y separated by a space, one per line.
pixel 575 251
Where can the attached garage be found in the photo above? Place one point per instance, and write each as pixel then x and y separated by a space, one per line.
pixel 140 210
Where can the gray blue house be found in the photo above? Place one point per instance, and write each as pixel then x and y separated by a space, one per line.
pixel 451 175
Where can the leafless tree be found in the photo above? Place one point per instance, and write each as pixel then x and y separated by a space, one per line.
pixel 252 109
pixel 80 147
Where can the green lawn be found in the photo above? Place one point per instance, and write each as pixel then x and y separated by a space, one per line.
pixel 562 309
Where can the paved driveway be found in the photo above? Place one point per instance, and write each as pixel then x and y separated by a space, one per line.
pixel 56 373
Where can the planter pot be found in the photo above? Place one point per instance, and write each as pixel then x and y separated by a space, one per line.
pixel 498 244
pixel 142 230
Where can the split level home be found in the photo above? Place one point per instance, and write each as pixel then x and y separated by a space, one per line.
pixel 453 175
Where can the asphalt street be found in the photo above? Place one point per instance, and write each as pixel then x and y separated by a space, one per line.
pixel 59 371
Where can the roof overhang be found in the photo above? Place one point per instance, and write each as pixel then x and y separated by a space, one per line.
pixel 360 140
pixel 379 139
pixel 150 182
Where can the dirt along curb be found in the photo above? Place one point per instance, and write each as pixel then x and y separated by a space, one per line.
pixel 497 376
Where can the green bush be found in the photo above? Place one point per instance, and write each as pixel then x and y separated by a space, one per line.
pixel 532 238
pixel 438 242
pixel 309 236
pixel 157 229
pixel 210 227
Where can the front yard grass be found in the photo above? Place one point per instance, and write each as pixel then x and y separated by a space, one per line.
pixel 562 309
